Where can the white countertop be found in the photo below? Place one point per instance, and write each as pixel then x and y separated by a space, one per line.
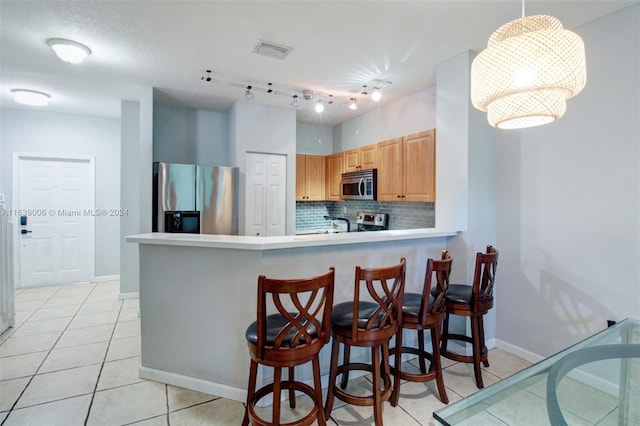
pixel 288 241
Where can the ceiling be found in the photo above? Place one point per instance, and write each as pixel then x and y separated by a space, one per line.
pixel 338 46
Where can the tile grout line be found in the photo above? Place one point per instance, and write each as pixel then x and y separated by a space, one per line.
pixel 104 359
pixel 45 358
pixel 166 395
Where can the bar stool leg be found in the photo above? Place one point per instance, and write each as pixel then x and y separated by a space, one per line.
pixel 437 363
pixel 475 337
pixel 253 373
pixel 395 394
pixel 345 360
pixel 377 400
pixel 483 344
pixel 333 372
pixel 423 367
pixel 292 391
pixel 277 382
pixel 318 390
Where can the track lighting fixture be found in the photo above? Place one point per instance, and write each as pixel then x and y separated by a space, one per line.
pixel 319 100
pixel 248 95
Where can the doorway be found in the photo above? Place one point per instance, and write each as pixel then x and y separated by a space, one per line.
pixel 54 219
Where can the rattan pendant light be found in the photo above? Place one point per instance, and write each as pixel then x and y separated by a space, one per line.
pixel 530 67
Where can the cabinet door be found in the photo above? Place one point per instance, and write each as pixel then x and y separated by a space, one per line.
pixel 419 167
pixel 368 157
pixel 334 170
pixel 301 177
pixel 314 169
pixel 352 160
pixel 390 170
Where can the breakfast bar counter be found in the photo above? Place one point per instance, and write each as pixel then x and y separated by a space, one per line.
pixel 198 294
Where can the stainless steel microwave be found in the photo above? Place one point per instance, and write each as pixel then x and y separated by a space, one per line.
pixel 360 185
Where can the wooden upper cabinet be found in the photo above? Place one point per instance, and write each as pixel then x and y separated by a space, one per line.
pixel 420 166
pixel 309 177
pixel 361 158
pixel 406 168
pixel 333 171
pixel 390 170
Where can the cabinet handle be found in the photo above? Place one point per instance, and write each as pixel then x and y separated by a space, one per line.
pixel 398 196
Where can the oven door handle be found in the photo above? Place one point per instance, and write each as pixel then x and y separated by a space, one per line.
pixel 361 185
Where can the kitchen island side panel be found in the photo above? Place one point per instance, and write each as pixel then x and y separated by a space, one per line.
pixel 196 303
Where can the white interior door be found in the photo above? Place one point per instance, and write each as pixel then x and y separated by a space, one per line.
pixel 265 200
pixel 56 195
pixel 276 195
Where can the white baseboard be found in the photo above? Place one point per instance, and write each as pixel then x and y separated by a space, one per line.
pixel 581 376
pixel 517 351
pixel 132 295
pixel 103 278
pixel 192 383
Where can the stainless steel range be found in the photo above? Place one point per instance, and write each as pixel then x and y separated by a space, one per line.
pixel 368 221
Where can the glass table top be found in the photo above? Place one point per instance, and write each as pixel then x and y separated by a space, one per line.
pixel 596 381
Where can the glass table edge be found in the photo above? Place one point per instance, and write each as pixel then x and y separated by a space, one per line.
pixel 538 368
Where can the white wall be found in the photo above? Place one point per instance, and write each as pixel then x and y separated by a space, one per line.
pixel 405 116
pixel 314 139
pixel 569 203
pixel 264 129
pixel 52 133
pixel 137 174
pixel 190 136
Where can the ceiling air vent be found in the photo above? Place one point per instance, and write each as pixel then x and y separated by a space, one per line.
pixel 273 50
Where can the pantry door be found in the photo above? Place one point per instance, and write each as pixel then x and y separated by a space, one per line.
pixel 265 194
pixel 55 196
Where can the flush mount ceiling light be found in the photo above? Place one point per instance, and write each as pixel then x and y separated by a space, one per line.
pixel 30 97
pixel 68 50
pixel 273 50
pixel 530 67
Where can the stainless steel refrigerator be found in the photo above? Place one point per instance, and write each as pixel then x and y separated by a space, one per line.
pixel 210 190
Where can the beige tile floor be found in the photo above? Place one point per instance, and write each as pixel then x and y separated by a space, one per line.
pixel 73 357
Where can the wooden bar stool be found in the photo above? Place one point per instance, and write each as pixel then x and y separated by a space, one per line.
pixel 472 301
pixel 426 311
pixel 292 336
pixel 368 324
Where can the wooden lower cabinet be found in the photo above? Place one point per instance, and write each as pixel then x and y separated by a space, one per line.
pixel 406 168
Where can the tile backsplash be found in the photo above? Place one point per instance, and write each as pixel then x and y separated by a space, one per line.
pixel 310 214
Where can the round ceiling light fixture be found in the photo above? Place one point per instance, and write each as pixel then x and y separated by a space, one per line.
pixel 30 97
pixel 319 107
pixel 376 95
pixel 69 50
